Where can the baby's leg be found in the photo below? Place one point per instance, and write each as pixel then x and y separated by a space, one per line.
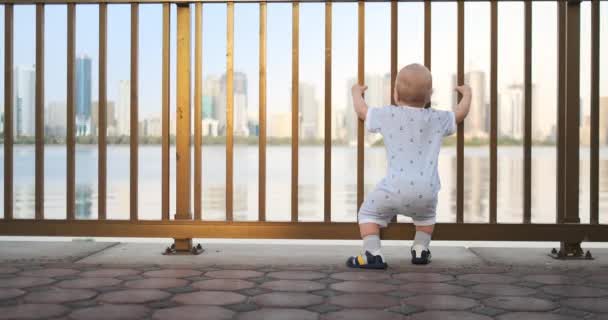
pixel 420 249
pixel 370 233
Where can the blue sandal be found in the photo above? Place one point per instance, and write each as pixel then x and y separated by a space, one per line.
pixel 367 261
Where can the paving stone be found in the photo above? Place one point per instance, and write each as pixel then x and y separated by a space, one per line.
pixel 209 298
pixel 24 282
pixel 520 303
pixel 9 293
pixel 81 304
pixel 32 311
pixel 297 275
pixel 292 285
pixel 551 279
pixel 464 283
pixel 360 300
pixel 253 291
pixel 528 284
pixel 162 304
pixel 362 286
pixel 534 315
pixel 328 281
pixel 234 274
pixel 242 307
pixel 287 299
pixel 362 315
pixel 59 295
pixel 109 273
pixel 432 288
pixel 575 291
pixel 193 312
pixel 259 280
pixel 579 314
pixel 597 305
pixel 8 270
pixel 600 278
pixel 502 290
pixel 423 277
pixel 451 315
pixel 110 312
pixel 278 314
pixel 487 311
pixel 361 275
pixel 70 277
pixel 129 278
pixel 487 278
pixel 223 284
pixel 440 302
pixel 186 289
pixel 109 289
pixel 324 308
pixel 49 273
pixel 603 316
pixel 196 278
pixel 133 296
pixel 326 293
pixel 156 283
pixel 172 273
pixel 404 309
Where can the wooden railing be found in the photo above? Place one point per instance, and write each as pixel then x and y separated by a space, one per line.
pixel 188 223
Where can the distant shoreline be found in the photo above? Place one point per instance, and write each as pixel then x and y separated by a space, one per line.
pixel 270 141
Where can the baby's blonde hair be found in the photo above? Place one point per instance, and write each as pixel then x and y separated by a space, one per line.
pixel 414 85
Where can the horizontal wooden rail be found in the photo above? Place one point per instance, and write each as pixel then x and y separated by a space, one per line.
pixel 299 230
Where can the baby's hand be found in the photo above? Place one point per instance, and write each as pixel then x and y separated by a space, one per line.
pixel 464 90
pixel 357 89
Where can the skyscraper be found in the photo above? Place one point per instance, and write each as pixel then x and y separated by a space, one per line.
pixel 56 119
pixel 475 124
pixel 239 107
pixel 510 108
pixel 83 95
pixel 311 117
pixel 110 118
pixel 23 101
pixel 123 112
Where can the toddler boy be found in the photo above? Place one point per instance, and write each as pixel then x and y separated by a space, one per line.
pixel 412 135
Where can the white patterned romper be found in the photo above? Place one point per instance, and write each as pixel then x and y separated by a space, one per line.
pixel 412 137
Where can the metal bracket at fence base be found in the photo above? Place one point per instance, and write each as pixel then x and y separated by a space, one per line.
pixel 571 251
pixel 183 247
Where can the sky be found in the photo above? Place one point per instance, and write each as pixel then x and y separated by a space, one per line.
pixel 344 50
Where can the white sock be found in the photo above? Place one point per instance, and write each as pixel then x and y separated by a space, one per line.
pixel 421 242
pixel 371 243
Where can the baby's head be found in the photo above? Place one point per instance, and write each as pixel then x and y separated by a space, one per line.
pixel 413 86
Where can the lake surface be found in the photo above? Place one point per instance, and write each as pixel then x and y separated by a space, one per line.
pixel 311 192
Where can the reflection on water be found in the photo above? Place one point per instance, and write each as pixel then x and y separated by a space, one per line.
pixel 311 188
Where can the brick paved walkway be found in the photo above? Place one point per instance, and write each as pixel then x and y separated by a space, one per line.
pixel 85 291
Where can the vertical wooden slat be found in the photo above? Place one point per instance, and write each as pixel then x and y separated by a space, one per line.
pixel 8 112
pixel 102 111
pixel 182 156
pixel 262 115
pixel 527 187
pixel 328 136
pixel 134 139
pixel 229 109
pixel 197 108
pixel 71 92
pixel 166 96
pixel 295 108
pixel 394 47
pixel 493 107
pixel 427 37
pixel 571 173
pixel 595 112
pixel 361 81
pixel 39 204
pixel 393 54
pixel 460 134
pixel 561 108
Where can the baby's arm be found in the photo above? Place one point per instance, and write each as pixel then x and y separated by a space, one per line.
pixel 462 109
pixel 358 101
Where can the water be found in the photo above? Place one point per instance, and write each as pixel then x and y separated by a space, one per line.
pixel 311 184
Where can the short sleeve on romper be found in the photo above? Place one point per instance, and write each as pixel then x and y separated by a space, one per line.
pixel 447 122
pixel 374 119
